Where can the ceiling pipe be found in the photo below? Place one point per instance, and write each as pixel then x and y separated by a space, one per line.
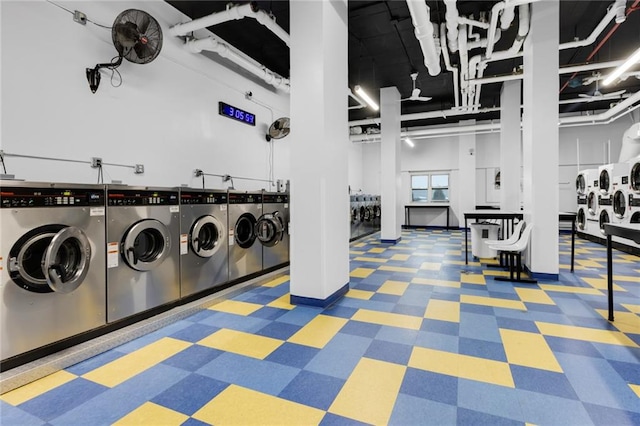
pixel 464 65
pixel 448 67
pixel 213 44
pixel 451 18
pixel 361 103
pixel 604 118
pixel 611 14
pixel 591 67
pixel 233 12
pixel 590 99
pixel 473 23
pixel 495 13
pixel 420 16
pixel 507 16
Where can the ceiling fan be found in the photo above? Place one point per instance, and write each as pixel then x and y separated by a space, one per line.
pixel 415 93
pixel 597 94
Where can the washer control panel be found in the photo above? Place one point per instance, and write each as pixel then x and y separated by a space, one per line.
pixel 15 197
pixel 202 197
pixel 132 197
pixel 275 198
pixel 245 198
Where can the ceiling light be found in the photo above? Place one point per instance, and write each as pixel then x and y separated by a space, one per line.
pixel 409 142
pixel 633 59
pixel 366 98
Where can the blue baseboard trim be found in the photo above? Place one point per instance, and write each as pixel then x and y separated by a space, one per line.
pixel 321 303
pixel 396 241
pixel 541 275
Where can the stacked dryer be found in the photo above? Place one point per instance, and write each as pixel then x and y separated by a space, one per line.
pixel 204 240
pixel 53 271
pixel 620 197
pixel 634 190
pixel 605 197
pixel 589 196
pixel 143 229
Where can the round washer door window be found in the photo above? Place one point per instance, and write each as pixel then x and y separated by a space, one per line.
pixel 592 203
pixel 619 204
pixel 635 177
pixel 270 229
pixel 604 218
pixel 146 244
pixel 50 258
pixel 206 236
pixel 244 233
pixel 605 181
pixel 581 184
pixel 635 218
pixel 581 219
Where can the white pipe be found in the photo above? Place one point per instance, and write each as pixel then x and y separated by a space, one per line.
pixel 234 12
pixel 473 23
pixel 464 65
pixel 424 33
pixel 212 44
pixel 611 13
pixel 447 64
pixel 590 67
pixel 507 16
pixel 451 17
pixel 360 102
pixel 491 32
pixel 627 103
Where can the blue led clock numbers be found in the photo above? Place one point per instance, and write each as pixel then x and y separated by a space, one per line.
pixel 236 113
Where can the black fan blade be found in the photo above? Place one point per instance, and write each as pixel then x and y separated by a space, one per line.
pixel 127 34
pixel 143 50
pixel 144 23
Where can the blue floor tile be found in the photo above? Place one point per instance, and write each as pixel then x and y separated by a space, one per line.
pixel 269 313
pixel 194 332
pixel 479 326
pixel 481 349
pixel 430 386
pixel 11 415
pixel 410 410
pixel 278 330
pixel 548 382
pixel 235 322
pixel 300 315
pixel 339 357
pixel 293 355
pixel 544 409
pixel 491 399
pixel 94 362
pixel 331 419
pixel 313 389
pixel 190 394
pixel 193 357
pixel 611 416
pixel 358 328
pixel 470 417
pixel 390 352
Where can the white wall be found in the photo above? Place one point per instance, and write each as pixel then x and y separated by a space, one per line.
pixel 164 115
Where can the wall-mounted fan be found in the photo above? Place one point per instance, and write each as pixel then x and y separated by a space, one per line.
pixel 137 37
pixel 278 129
pixel 415 93
pixel 597 94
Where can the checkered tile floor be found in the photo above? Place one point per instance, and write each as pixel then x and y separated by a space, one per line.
pixel 421 338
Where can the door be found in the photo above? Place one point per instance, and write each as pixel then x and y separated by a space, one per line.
pixel 619 204
pixel 270 229
pixel 146 245
pixel 206 236
pixel 52 258
pixel 245 234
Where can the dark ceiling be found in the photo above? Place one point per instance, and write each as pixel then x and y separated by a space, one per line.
pixel 383 50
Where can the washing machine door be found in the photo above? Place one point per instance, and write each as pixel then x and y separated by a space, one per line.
pixel 52 258
pixel 146 244
pixel 605 181
pixel 604 218
pixel 581 219
pixel 244 233
pixel 270 229
pixel 206 236
pixel 634 177
pixel 592 203
pixel 619 204
pixel 581 184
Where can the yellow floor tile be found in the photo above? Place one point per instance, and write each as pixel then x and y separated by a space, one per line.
pixel 401 248
pixel 282 302
pixel 435 282
pixel 453 262
pixel 529 350
pixel 396 288
pixel 401 257
pixel 492 301
pixel 497 273
pixel 630 257
pixel 360 244
pixel 472 279
pixel 430 266
pixel 463 366
pixel 359 294
pixel 318 332
pixel 370 392
pixel 627 322
pixel 566 289
pixel 377 250
pixel 371 259
pixel 152 414
pixel 533 295
pixel 241 343
pixel 601 283
pixel 585 334
pixel 625 277
pixel 277 281
pixel 37 388
pixel 361 272
pixel 241 406
pixel 590 263
pixel 387 318
pixel 635 389
pixel 398 269
pixel 443 310
pixel 454 252
pixel 236 307
pixel 124 368
pixel 631 308
pixel 356 252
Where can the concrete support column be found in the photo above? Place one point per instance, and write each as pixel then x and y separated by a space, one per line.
pixel 540 137
pixel 466 187
pixel 390 183
pixel 319 152
pixel 510 146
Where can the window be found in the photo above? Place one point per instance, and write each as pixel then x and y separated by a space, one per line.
pixel 433 187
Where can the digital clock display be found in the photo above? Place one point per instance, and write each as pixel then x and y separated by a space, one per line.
pixel 236 113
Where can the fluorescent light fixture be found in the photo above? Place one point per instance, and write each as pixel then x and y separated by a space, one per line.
pixel 633 59
pixel 367 98
pixel 409 142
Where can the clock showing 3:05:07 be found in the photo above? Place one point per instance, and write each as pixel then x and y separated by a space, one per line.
pixel 236 113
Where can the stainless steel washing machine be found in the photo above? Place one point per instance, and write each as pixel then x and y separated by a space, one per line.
pixel 204 240
pixel 272 229
pixel 143 229
pixel 52 260
pixel 245 252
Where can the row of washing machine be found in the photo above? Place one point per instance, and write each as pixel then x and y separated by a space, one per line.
pixel 74 258
pixel 365 212
pixel 608 194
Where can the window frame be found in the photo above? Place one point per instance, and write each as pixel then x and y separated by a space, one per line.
pixel 431 187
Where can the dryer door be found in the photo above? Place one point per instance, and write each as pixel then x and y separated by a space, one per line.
pixel 619 204
pixel 50 258
pixel 592 203
pixel 206 236
pixel 245 234
pixel 581 219
pixel 634 177
pixel 270 229
pixel 604 218
pixel 146 244
pixel 605 181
